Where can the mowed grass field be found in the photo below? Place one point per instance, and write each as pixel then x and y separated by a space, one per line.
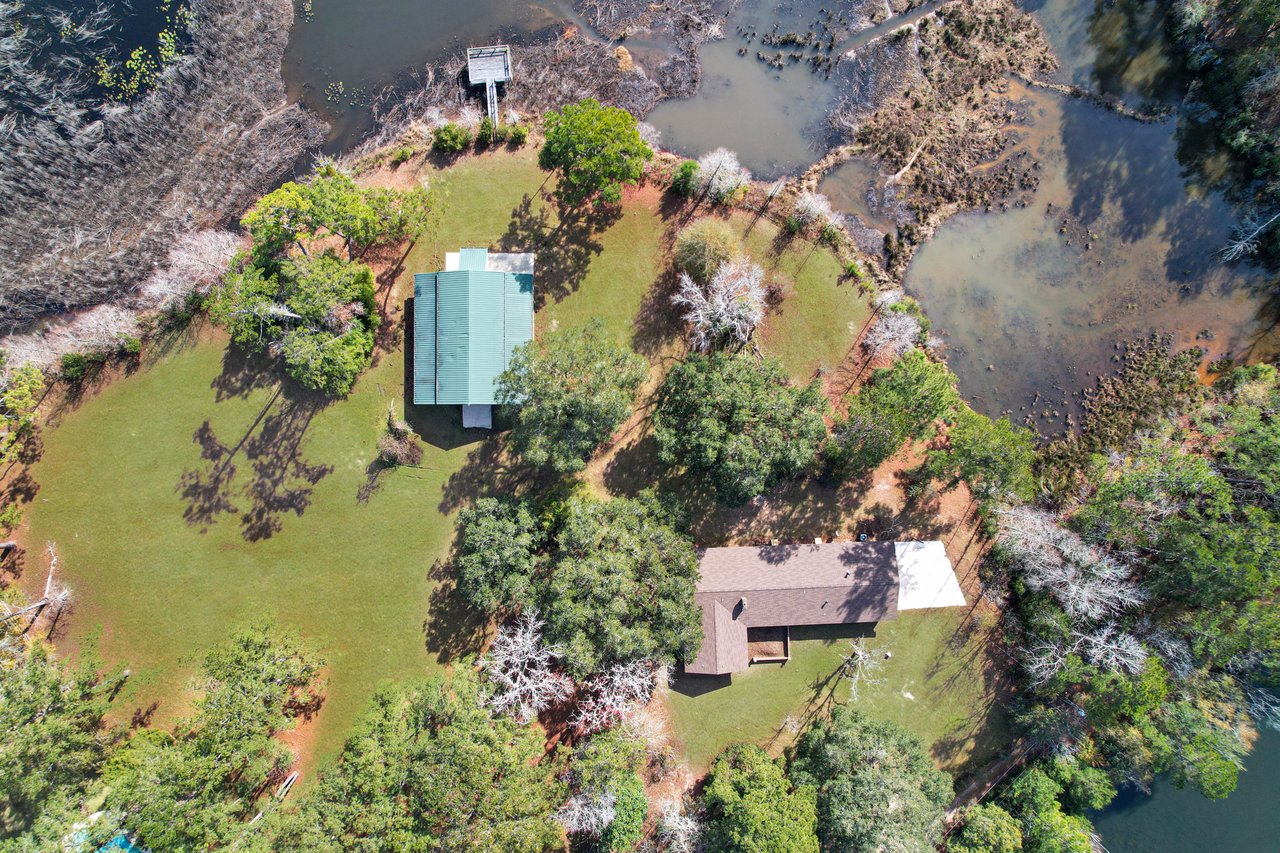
pixel 199 493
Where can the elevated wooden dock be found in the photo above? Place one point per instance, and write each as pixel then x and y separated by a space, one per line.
pixel 489 66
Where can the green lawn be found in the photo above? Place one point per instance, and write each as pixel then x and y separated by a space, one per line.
pixel 178 515
pixel 821 312
pixel 939 683
pixel 194 496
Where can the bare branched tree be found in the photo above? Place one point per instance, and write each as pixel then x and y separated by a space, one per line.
pixel 728 310
pixel 679 830
pixel 887 298
pixel 861 668
pixel 1114 650
pixel 1089 584
pixel 815 209
pixel 521 668
pixel 895 332
pixel 1244 241
pixel 587 813
pixel 615 694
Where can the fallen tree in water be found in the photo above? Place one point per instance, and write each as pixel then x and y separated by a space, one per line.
pixel 95 194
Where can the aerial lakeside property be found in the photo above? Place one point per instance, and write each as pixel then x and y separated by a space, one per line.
pixel 509 483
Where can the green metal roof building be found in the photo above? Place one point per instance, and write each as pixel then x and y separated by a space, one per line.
pixel 467 320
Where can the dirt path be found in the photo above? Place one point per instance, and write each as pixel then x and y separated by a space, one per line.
pixel 988 778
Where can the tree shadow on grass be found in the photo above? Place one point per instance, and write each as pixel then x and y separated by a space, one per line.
pixel 564 245
pixel 658 322
pixel 453 629
pixel 243 372
pixel 280 479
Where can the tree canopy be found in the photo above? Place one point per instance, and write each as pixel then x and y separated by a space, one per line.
pixel 428 769
pixel 192 788
pixel 317 312
pixel 737 423
pixel 897 403
pixel 621 586
pixel 596 150
pixel 752 808
pixel 568 392
pixel 987 829
pixel 613 581
pixel 313 308
pixel 498 546
pixel 993 457
pixel 877 787
pixel 54 742
pixel 330 203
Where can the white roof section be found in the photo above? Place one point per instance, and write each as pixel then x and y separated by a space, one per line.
pixel 925 577
pixel 513 262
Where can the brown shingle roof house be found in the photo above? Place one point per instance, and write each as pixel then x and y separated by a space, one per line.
pixel 833 583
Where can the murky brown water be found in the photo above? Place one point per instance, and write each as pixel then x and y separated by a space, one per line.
pixel 774 118
pixel 1114 245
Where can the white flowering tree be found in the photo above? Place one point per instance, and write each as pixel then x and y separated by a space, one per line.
pixel 720 175
pixel 521 668
pixel 728 309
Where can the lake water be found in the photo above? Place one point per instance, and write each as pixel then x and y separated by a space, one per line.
pixel 346 51
pixel 1115 244
pixel 1174 821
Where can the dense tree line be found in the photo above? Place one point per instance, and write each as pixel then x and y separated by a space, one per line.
pixel 189 787
pixel 1142 600
pixel 1233 49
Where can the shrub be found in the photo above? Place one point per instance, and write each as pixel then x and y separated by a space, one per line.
pixel 685 181
pixel 793 224
pixel 74 366
pixel 830 235
pixel 451 139
pixel 518 135
pixel 630 810
pixel 130 345
pixel 705 246
pixel 401 154
pixel 10 517
pixel 487 132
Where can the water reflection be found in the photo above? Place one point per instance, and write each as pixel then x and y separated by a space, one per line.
pixel 1115 244
pixel 774 118
pixel 1113 47
pixel 1183 821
